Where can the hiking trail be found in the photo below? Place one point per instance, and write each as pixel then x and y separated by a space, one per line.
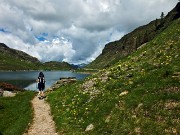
pixel 42 123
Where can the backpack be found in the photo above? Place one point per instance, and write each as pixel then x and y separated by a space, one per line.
pixel 41 80
pixel 41 83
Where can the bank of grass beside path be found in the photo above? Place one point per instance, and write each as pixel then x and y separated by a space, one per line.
pixel 16 113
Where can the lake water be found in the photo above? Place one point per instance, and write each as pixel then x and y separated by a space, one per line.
pixel 27 79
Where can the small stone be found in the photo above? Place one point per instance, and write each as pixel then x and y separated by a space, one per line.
pixel 123 93
pixel 108 119
pixel 8 94
pixel 137 130
pixel 129 75
pixel 133 116
pixel 89 127
pixel 141 104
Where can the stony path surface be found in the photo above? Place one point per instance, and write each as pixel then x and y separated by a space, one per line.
pixel 43 123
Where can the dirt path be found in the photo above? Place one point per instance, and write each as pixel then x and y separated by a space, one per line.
pixel 42 121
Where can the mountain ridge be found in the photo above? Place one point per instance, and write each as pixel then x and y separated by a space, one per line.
pixel 17 53
pixel 12 59
pixel 116 50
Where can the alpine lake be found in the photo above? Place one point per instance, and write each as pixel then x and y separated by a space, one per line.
pixel 27 79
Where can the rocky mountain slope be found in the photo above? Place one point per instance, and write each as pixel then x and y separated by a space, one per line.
pixel 129 43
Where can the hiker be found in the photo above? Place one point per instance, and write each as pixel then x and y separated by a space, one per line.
pixel 41 83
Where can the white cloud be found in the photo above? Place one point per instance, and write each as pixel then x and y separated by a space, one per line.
pixel 58 49
pixel 76 30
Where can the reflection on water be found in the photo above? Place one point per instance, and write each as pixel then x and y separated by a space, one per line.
pixel 20 83
pixel 27 79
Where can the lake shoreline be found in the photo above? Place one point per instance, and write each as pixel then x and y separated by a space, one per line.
pixel 27 79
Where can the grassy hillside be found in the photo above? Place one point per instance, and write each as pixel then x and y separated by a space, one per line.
pixel 53 65
pixel 138 95
pixel 11 63
pixel 11 59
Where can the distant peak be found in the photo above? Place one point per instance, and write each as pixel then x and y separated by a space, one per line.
pixel 3 45
pixel 175 12
pixel 178 7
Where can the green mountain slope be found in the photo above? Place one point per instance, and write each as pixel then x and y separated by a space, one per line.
pixel 57 65
pixel 138 95
pixel 11 59
pixel 129 43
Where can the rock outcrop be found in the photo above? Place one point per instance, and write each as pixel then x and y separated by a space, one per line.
pixel 61 82
pixel 114 51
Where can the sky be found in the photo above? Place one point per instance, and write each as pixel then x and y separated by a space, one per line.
pixel 74 31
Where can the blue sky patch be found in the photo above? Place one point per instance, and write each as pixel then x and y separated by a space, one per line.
pixel 4 30
pixel 40 38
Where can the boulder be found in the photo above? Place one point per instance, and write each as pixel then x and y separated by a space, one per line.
pixel 8 94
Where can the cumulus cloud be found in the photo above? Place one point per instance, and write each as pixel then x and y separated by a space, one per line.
pixel 72 31
pixel 55 50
